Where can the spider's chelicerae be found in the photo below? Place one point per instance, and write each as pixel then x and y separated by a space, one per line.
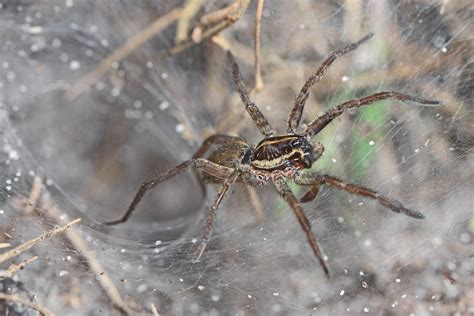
pixel 277 159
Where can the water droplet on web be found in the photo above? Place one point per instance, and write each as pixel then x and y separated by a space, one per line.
pixel 164 105
pixel 74 65
pixel 179 128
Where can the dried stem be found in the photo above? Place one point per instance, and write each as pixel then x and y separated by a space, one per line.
pixel 154 311
pixel 30 206
pixel 189 10
pixel 27 245
pixel 33 197
pixel 95 266
pixel 15 267
pixel 16 299
pixel 258 72
pixel 210 25
pixel 131 44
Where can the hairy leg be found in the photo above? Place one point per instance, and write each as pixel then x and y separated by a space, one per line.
pixel 297 110
pixel 202 164
pixel 218 139
pixel 257 116
pixel 211 215
pixel 394 205
pixel 321 122
pixel 283 189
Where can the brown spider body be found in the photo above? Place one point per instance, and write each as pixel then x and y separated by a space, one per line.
pixel 277 159
pixel 272 157
pixel 282 152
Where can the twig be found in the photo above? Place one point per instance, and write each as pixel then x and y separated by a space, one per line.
pixel 120 53
pixel 218 21
pixel 219 15
pixel 16 299
pixel 15 267
pixel 34 195
pixel 258 73
pixel 95 266
pixel 4 245
pixel 189 10
pixel 30 205
pixel 154 311
pixel 30 243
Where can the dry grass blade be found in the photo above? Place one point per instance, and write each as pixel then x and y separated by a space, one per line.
pixel 258 72
pixel 29 208
pixel 189 10
pixel 30 243
pixel 210 25
pixel 120 53
pixel 15 267
pixel 33 197
pixel 16 299
pixel 95 266
pixel 154 311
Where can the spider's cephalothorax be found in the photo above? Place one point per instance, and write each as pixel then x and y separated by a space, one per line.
pixel 277 159
pixel 282 152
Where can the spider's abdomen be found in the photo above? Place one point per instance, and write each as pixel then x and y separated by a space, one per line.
pixel 278 153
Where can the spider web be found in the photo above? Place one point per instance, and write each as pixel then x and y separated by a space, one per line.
pixel 148 113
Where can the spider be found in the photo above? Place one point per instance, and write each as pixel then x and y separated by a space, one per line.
pixel 277 159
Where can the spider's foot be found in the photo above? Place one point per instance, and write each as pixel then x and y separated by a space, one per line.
pixel 326 271
pixel 412 213
pixel 111 223
pixel 398 207
pixel 423 102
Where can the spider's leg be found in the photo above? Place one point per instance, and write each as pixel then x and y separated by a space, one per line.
pixel 283 189
pixel 202 164
pixel 320 122
pixel 257 116
pixel 311 194
pixel 218 139
pixel 211 215
pixel 392 204
pixel 297 110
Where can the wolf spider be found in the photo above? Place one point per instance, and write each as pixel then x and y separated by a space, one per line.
pixel 277 159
